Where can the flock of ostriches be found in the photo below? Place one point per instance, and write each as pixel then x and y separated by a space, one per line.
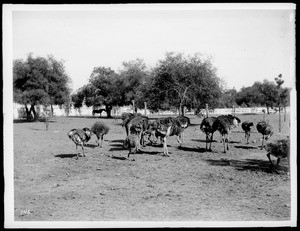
pixel 138 127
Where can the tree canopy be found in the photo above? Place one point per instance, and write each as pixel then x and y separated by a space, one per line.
pixel 175 82
pixel 264 93
pixel 133 75
pixel 179 81
pixel 40 81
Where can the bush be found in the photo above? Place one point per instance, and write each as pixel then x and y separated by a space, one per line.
pixel 22 113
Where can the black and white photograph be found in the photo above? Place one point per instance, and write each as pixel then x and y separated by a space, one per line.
pixel 149 115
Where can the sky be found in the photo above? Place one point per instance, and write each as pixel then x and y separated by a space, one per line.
pixel 248 42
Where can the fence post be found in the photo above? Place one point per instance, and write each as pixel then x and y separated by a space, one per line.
pixel 133 107
pixel 206 108
pixel 145 104
pixel 279 119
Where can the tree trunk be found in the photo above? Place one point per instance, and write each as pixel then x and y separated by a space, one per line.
pixel 134 108
pixel 182 111
pixel 279 118
pixel 46 117
pixel 28 113
pixel 51 110
pixel 181 107
pixel 35 116
pixel 233 110
pixel 145 106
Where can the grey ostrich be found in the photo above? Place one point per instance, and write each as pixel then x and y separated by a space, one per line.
pixel 169 126
pixel 100 129
pixel 266 130
pixel 137 125
pixel 184 122
pixel 79 137
pixel 126 117
pixel 132 143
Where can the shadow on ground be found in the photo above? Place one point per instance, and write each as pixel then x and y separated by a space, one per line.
pixel 91 145
pixel 66 155
pixel 245 147
pixel 117 141
pixel 201 150
pixel 248 164
pixel 203 141
pixel 117 148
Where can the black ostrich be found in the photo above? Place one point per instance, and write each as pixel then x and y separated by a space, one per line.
pixel 225 124
pixel 206 126
pixel 279 149
pixel 247 127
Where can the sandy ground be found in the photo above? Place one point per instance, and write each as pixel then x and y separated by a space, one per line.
pixel 190 185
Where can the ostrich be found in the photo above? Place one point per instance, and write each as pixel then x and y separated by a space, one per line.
pixel 169 126
pixel 100 129
pixel 126 117
pixel 247 126
pixel 206 126
pixel 132 143
pixel 224 124
pixel 137 125
pixel 266 130
pixel 79 137
pixel 89 132
pixel 184 123
pixel 280 149
pixel 152 131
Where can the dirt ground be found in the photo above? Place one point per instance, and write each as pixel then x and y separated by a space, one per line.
pixel 190 185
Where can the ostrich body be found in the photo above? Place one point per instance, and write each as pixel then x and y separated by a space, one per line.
pixel 126 117
pixel 225 124
pixel 266 130
pixel 79 137
pixel 206 126
pixel 170 126
pixel 184 122
pixel 87 131
pixel 138 125
pixel 247 127
pixel 100 129
pixel 132 143
pixel 280 149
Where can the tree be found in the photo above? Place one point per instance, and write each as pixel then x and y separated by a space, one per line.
pixel 39 81
pixel 179 81
pixel 104 89
pixel 249 96
pixel 279 81
pixel 133 77
pixel 228 98
pixel 264 93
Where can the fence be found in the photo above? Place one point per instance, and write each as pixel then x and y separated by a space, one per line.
pixel 117 111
